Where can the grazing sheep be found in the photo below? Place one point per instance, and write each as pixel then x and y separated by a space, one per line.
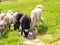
pixel 6 22
pixel 16 19
pixel 36 15
pixel 25 24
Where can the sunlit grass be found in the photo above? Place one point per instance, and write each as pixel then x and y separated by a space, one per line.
pixel 50 26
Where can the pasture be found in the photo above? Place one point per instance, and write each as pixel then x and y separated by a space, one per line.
pixel 48 32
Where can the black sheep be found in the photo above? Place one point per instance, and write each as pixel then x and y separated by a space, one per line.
pixel 25 24
pixel 17 23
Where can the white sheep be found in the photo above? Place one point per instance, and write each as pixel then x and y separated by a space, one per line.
pixel 36 16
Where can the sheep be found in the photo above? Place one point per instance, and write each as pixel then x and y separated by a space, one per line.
pixel 6 22
pixel 16 18
pixel 25 24
pixel 9 14
pixel 36 16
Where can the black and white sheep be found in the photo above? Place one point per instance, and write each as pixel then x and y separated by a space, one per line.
pixel 25 24
pixel 16 18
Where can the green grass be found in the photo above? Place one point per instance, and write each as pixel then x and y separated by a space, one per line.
pixel 50 26
pixel 11 37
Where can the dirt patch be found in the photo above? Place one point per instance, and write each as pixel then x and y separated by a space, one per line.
pixel 28 42
pixel 58 42
pixel 31 40
pixel 34 42
pixel 48 36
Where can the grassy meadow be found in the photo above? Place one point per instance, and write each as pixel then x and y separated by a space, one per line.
pixel 51 25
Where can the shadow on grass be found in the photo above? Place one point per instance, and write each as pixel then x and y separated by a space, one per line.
pixel 42 29
pixel 5 34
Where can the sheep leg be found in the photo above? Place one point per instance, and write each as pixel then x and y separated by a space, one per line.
pixel 26 33
pixel 21 32
pixel 2 33
pixel 14 27
pixel 9 27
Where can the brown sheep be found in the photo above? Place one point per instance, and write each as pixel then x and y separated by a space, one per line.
pixel 5 23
